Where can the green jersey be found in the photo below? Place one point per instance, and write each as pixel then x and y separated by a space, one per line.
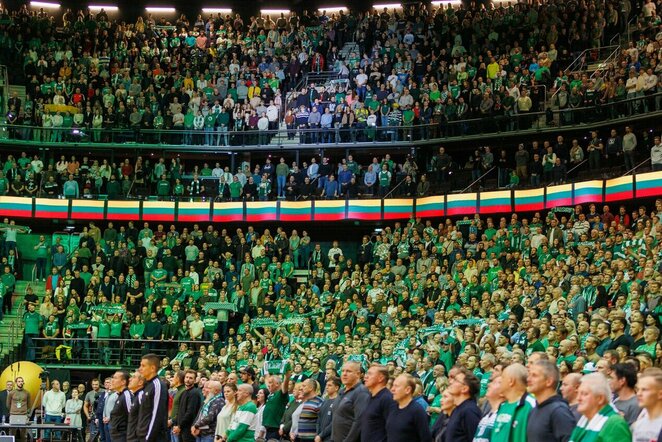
pixel 511 420
pixel 242 428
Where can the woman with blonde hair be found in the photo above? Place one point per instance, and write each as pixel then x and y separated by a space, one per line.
pixel 227 412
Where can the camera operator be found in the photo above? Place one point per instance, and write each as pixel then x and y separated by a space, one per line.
pixel 90 407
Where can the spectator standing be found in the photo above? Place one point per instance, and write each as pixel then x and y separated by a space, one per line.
pixel 53 402
pixel 408 422
pixel 551 419
pixel 324 423
pixel 656 155
pixel 244 422
pixel 600 421
pixel 494 400
pixel 204 426
pixel 189 406
pixel 119 415
pixel 463 421
pixel 226 414
pixel 380 406
pixel 276 402
pixel 352 401
pixel 4 407
pixel 153 413
pixel 623 380
pixel 73 409
pixel 569 391
pixel 629 147
pixel 304 427
pixel 512 417
pixel 649 392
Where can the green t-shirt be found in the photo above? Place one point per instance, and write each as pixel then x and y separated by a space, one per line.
pixel 274 409
pixel 32 321
pixel 240 425
pixel 511 420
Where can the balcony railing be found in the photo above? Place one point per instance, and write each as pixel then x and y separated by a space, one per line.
pixel 638 108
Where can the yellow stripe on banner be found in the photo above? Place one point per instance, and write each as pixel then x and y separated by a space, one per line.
pixel 194 206
pixel 438 200
pixel 261 205
pixel 530 193
pixel 161 206
pixel 496 195
pixel 468 198
pixel 295 205
pixel 16 200
pixel 134 205
pixel 618 181
pixel 228 206
pixel 94 204
pixel 561 188
pixel 594 184
pixel 365 203
pixel 650 176
pixel 330 204
pixel 49 202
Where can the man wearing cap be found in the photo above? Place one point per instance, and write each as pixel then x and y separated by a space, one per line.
pixel 247 376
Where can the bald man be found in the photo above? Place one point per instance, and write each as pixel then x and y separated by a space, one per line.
pixel 513 413
pixel 569 391
pixel 352 401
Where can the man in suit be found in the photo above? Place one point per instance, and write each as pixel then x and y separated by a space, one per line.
pixel 554 232
pixel 4 411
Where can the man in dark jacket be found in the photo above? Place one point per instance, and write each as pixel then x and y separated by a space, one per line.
pixel 189 407
pixel 326 410
pixel 152 425
pixel 136 385
pixel 551 420
pixel 205 421
pixel 463 422
pixel 353 399
pixel 119 415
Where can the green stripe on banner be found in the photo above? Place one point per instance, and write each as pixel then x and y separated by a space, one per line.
pixel 56 209
pixel 261 211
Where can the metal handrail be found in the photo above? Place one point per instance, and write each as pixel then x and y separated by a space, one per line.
pixel 585 160
pixel 637 166
pixel 393 190
pixel 478 179
pixel 244 142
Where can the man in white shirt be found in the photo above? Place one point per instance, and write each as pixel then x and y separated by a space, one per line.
pixel 648 425
pixel 53 403
pixel 656 155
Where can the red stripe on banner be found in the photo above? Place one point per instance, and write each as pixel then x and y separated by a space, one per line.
pixel 367 216
pixel 464 210
pixel 193 217
pixel 18 212
pixel 228 217
pixel 430 213
pixel 564 201
pixel 49 214
pixel 529 207
pixel 495 209
pixel 643 193
pixel 122 216
pixel 265 217
pixel 158 217
pixel 618 196
pixel 305 217
pixel 86 215
pixel 329 216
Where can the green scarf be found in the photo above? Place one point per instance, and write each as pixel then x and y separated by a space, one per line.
pixel 588 431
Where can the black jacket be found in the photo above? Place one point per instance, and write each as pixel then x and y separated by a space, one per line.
pixel 152 425
pixel 131 433
pixel 189 406
pixel 550 421
pixel 347 416
pixel 119 416
pixel 463 422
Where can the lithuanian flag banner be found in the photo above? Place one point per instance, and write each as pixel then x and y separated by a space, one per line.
pixel 17 206
pixel 558 196
pixel 399 208
pixel 619 189
pixel 430 207
pixel 461 204
pixel 87 209
pixel 224 212
pixel 588 192
pixel 51 208
pixel 368 210
pixel 193 211
pixel 649 184
pixel 261 211
pixel 159 211
pixel 296 211
pixel 529 200
pixel 329 210
pixel 123 210
pixel 495 202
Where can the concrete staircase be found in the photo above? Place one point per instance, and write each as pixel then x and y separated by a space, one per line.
pixel 12 326
pixel 348 48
